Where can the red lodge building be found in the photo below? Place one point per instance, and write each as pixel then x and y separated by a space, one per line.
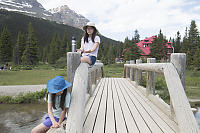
pixel 144 46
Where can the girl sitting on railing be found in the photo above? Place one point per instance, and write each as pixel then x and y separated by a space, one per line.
pixel 89 44
pixel 58 103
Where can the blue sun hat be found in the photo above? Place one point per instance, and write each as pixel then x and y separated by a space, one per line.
pixel 57 84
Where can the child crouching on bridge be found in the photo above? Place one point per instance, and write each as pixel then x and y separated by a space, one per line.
pixel 89 44
pixel 58 103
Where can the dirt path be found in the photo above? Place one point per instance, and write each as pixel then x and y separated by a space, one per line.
pixel 16 89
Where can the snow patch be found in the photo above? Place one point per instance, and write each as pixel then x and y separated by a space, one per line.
pixel 15 10
pixel 26 5
pixel 8 4
pixel 53 11
pixel 44 18
pixel 47 15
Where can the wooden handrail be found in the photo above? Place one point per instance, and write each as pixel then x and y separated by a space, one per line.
pixel 155 67
pixel 183 113
pixel 184 116
pixel 78 95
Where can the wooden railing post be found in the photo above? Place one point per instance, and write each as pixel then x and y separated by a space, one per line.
pixel 179 62
pixel 138 75
pixel 132 73
pixel 102 72
pixel 73 61
pixel 151 79
pixel 127 70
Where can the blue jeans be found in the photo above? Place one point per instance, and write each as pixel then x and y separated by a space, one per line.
pixel 92 59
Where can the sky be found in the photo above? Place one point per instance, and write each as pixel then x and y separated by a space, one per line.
pixel 118 19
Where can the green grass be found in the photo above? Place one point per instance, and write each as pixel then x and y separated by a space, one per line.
pixel 114 70
pixel 193 84
pixel 29 77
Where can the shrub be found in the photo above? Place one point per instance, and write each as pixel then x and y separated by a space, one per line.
pixel 24 98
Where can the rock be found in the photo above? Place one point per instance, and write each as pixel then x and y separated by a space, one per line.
pixel 58 130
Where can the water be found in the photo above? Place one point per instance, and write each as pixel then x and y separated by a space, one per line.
pixel 21 118
pixel 197 116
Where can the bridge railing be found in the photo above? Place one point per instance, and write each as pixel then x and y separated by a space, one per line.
pixel 84 82
pixel 179 109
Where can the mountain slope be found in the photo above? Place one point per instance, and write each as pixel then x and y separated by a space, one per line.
pixel 67 16
pixel 28 7
pixel 44 29
pixel 62 15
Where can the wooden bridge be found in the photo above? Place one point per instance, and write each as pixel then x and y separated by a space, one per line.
pixel 121 105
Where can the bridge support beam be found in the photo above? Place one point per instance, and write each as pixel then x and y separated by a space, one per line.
pixel 132 71
pixel 138 77
pixel 127 70
pixel 151 79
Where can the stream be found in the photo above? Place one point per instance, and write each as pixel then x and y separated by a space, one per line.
pixel 21 118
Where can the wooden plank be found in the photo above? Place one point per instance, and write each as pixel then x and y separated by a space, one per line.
pixel 158 102
pixel 148 119
pixel 90 121
pixel 120 123
pixel 101 114
pixel 159 112
pixel 130 121
pixel 164 126
pixel 142 126
pixel 110 115
pixel 92 99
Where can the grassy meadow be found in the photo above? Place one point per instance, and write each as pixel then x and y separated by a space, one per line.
pixel 29 77
pixel 41 74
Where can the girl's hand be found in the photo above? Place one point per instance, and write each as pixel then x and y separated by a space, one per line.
pixel 55 124
pixel 89 51
pixel 79 50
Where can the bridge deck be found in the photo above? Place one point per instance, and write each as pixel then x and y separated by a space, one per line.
pixel 118 107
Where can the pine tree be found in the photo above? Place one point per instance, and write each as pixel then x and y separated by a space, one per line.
pixel 64 46
pixel 177 45
pixel 46 50
pixel 104 54
pixel 110 54
pixel 197 59
pixel 6 48
pixel 184 45
pixel 158 47
pixel 136 36
pixel 127 43
pixel 54 50
pixel 16 58
pixel 30 54
pixel 192 42
pixel 19 49
pixel 132 51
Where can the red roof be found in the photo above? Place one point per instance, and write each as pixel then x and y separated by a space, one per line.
pixel 147 42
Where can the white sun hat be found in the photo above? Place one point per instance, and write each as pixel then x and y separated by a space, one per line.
pixel 89 24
